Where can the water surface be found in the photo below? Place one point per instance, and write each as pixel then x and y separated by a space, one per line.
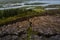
pixel 22 4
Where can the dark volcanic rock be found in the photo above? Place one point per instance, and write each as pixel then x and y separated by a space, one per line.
pixel 12 31
pixel 14 28
pixel 46 28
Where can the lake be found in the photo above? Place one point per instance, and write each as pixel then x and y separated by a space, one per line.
pixel 23 4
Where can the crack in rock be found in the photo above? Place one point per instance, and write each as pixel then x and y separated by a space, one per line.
pixel 47 35
pixel 19 34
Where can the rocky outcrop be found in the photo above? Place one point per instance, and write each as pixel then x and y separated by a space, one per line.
pixel 43 27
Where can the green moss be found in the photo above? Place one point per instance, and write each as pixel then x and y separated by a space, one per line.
pixel 29 33
pixel 14 14
pixel 39 10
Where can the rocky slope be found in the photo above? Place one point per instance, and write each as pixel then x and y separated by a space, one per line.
pixel 44 28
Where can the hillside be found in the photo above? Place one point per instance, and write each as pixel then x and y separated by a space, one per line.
pixel 40 27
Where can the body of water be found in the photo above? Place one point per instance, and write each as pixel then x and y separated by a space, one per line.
pixel 19 5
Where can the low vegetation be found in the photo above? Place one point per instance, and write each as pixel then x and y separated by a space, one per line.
pixel 53 12
pixel 10 15
pixel 29 33
pixel 14 14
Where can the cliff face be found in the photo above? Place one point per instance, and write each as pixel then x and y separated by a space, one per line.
pixel 43 27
